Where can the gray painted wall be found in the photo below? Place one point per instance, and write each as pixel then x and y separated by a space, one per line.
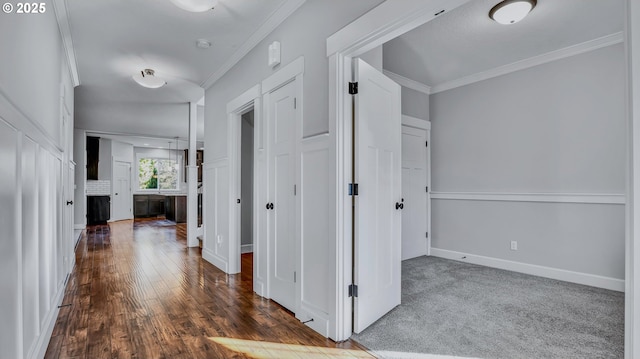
pixel 554 128
pixel 246 179
pixel 373 57
pixel 415 103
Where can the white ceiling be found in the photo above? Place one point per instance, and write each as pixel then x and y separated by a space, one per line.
pixel 466 41
pixel 114 39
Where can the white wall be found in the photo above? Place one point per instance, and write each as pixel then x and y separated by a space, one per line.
pixel 35 254
pixel 303 34
pixel 121 151
pixel 557 128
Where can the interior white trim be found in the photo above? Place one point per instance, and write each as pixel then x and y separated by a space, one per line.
pixel 408 83
pixel 80 227
pixel 632 246
pixel 531 62
pixel 386 22
pixel 62 15
pixel 532 269
pixel 587 198
pixel 212 258
pixel 244 100
pixel 276 18
pixel 246 248
pixel 284 75
pixel 416 122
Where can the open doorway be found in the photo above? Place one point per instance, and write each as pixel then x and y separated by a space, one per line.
pixel 246 191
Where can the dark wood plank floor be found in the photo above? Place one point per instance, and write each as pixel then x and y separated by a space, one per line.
pixel 137 292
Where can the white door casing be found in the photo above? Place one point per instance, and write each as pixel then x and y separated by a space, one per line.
pixel 122 197
pixel 415 216
pixel 281 116
pixel 377 221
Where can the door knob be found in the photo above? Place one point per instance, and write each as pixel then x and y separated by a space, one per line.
pixel 269 205
pixel 399 205
pixel 69 203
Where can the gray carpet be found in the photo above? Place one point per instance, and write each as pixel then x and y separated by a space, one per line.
pixel 459 309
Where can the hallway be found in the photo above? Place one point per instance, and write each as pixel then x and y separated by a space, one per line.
pixel 136 292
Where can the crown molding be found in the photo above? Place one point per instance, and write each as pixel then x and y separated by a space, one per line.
pixel 281 14
pixel 62 15
pixel 531 62
pixel 408 83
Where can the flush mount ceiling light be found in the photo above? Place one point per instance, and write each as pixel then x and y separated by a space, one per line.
pixel 195 5
pixel 147 79
pixel 509 12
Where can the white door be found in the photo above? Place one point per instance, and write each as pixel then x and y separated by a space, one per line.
pixel 414 192
pixel 281 114
pixel 378 205
pixel 122 198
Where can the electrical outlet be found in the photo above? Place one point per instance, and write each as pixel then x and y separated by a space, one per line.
pixel 514 245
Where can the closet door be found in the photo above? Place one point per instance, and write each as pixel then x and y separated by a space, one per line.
pixel 281 115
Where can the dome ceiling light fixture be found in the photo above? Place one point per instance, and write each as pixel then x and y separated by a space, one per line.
pixel 146 78
pixel 195 5
pixel 509 12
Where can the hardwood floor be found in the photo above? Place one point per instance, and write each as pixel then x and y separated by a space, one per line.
pixel 137 292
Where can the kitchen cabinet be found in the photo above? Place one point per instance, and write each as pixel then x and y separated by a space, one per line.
pixel 176 208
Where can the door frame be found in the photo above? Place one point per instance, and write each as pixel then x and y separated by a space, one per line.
pixel 250 99
pixel 383 23
pixel 424 125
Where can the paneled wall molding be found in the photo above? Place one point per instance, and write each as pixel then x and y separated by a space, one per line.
pixel 532 269
pixel 17 119
pixel 587 198
pixel 408 83
pixel 531 62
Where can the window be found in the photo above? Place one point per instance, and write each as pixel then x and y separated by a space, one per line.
pixel 158 173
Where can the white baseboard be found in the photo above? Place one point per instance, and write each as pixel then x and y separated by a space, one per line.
pixel 532 269
pixel 246 248
pixel 79 226
pixel 212 258
pixel 320 322
pixel 47 327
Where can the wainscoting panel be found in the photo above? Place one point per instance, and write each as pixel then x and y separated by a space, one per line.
pixel 315 246
pixel 216 227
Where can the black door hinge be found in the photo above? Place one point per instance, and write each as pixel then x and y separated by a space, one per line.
pixel 353 88
pixel 427 189
pixel 353 189
pixel 426 144
pixel 353 290
pixel 427 234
